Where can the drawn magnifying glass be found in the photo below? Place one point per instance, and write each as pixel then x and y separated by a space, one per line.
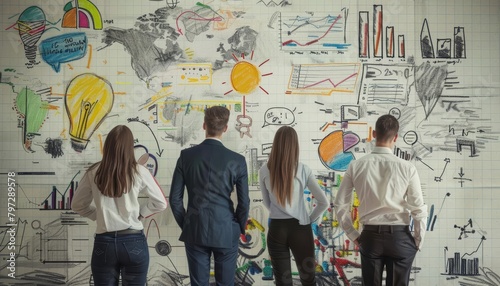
pixel 36 224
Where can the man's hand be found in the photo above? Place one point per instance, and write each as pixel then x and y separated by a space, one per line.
pixel 356 242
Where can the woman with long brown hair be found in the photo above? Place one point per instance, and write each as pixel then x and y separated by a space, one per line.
pixel 282 182
pixel 114 184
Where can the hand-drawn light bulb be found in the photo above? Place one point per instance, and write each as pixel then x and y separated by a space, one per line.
pixel 89 98
pixel 31 25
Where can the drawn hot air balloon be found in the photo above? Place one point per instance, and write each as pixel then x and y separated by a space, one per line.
pixel 31 24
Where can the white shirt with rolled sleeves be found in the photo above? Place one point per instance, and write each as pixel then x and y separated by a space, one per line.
pixel 114 214
pixel 297 209
pixel 389 192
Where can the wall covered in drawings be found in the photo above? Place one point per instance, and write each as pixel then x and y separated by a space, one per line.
pixel 72 70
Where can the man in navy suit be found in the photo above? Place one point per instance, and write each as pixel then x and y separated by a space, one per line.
pixel 211 225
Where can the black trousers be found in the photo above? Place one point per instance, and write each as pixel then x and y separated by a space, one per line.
pixel 389 246
pixel 285 235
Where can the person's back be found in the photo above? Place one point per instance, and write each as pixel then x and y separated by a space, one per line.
pixel 210 224
pixel 389 192
pixel 383 178
pixel 214 170
pixel 115 184
pixel 282 182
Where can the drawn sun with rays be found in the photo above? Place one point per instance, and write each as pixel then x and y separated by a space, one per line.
pixel 245 76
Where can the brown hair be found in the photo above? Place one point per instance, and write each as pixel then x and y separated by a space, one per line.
pixel 283 163
pixel 387 126
pixel 216 118
pixel 115 174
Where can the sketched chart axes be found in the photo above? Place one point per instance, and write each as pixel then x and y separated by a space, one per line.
pixel 329 80
pixel 308 33
pixel 323 79
pixel 312 23
pixel 315 40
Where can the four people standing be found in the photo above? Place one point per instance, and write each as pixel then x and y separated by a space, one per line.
pixel 388 188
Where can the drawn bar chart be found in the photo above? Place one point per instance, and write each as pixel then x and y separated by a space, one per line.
pixel 458 265
pixel 323 79
pixel 447 48
pixel 313 33
pixel 60 201
pixel 382 38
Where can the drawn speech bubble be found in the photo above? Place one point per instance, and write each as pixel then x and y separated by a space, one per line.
pixel 278 116
pixel 63 48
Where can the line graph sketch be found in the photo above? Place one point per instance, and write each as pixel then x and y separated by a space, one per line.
pixel 328 69
pixel 314 32
pixel 323 79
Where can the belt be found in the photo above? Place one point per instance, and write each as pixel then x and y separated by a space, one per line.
pixel 387 228
pixel 122 232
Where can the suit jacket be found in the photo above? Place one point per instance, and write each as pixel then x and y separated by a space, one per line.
pixel 210 171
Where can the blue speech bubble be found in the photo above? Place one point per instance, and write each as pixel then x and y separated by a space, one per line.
pixel 63 48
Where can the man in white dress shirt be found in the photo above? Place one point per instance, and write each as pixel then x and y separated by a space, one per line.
pixel 390 196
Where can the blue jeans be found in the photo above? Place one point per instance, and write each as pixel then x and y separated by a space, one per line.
pixel 114 255
pixel 198 257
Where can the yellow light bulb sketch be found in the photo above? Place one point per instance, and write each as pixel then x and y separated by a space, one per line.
pixel 89 98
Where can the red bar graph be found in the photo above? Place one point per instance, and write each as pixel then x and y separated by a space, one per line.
pixel 389 32
pixel 364 49
pixel 401 46
pixel 378 32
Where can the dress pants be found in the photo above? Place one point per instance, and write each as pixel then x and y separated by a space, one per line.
pixel 198 258
pixel 115 254
pixel 285 235
pixel 389 246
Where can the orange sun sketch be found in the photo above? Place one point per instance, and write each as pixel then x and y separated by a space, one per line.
pixel 245 76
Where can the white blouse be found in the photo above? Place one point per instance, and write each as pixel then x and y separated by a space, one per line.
pixel 297 209
pixel 113 214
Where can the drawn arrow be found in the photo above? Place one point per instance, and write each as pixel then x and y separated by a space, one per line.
pixel 461 174
pixel 420 160
pixel 160 151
